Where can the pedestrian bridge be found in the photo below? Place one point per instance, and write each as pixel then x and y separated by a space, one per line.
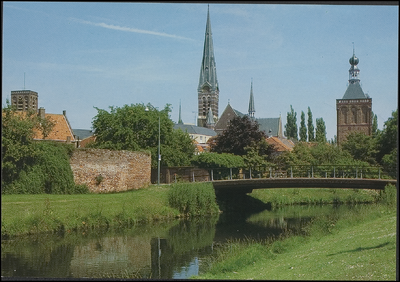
pixel 247 185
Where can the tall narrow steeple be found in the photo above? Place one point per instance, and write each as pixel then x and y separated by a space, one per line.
pixel 252 109
pixel 180 119
pixel 208 89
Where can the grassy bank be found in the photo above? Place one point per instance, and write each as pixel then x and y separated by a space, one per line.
pixel 361 245
pixel 366 251
pixel 28 214
pixel 315 196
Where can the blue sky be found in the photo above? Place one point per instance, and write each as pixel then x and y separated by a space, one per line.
pixel 78 56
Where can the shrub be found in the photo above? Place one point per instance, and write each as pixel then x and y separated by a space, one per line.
pixel 50 172
pixel 193 198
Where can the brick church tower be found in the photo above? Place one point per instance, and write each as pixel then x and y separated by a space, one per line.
pixel 208 90
pixel 354 110
pixel 24 100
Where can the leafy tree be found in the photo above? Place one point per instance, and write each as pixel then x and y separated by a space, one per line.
pixel 310 126
pixel 241 133
pixel 388 137
pixel 361 147
pixel 217 160
pixel 291 124
pixel 320 132
pixel 303 129
pixel 374 125
pixel 30 167
pixel 18 130
pixel 387 140
pixel 318 154
pixel 136 127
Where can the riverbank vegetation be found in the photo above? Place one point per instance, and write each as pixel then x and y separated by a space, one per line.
pixel 33 167
pixel 359 246
pixel 29 214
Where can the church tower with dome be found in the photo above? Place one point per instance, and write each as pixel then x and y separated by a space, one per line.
pixel 354 110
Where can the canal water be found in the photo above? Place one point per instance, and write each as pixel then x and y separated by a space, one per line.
pixel 175 249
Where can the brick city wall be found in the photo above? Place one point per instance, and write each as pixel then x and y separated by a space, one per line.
pixel 117 170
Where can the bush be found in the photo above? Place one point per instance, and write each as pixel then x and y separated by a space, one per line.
pixel 49 173
pixel 193 199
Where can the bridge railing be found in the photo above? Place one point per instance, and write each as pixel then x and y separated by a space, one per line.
pixel 300 171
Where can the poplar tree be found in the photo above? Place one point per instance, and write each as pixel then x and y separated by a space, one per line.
pixel 374 125
pixel 320 132
pixel 291 124
pixel 310 127
pixel 303 128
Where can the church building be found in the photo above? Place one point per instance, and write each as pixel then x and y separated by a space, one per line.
pixel 354 110
pixel 208 89
pixel 208 96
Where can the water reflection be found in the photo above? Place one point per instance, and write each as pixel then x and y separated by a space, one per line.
pixel 167 250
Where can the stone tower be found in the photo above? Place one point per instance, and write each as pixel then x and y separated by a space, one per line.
pixel 24 100
pixel 354 110
pixel 208 90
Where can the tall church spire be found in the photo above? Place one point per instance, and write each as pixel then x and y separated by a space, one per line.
pixel 252 109
pixel 208 89
pixel 180 119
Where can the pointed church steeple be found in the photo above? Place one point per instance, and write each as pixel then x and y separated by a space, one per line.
pixel 208 89
pixel 180 119
pixel 252 109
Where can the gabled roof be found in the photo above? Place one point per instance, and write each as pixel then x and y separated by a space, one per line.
pixel 269 125
pixel 61 130
pixel 354 91
pixel 192 129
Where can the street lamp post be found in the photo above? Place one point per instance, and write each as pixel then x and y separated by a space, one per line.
pixel 158 155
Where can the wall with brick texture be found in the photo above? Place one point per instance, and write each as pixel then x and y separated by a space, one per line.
pixel 119 170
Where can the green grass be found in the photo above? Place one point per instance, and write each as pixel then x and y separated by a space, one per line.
pixel 313 196
pixel 27 214
pixel 353 250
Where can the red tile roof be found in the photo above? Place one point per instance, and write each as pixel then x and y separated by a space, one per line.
pixel 61 129
pixel 280 144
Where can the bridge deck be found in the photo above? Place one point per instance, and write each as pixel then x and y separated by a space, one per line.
pixel 247 185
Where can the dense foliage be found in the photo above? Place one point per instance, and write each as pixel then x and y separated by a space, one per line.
pixel 310 126
pixel 192 200
pixel 387 142
pixel 361 147
pixel 303 128
pixel 241 132
pixel 137 127
pixel 291 124
pixel 33 167
pixel 320 131
pixel 214 160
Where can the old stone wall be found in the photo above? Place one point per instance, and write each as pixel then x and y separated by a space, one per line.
pixel 111 171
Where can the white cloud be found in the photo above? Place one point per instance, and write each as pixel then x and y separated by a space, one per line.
pixel 130 29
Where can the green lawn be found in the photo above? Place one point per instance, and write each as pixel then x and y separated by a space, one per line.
pixel 21 214
pixel 365 251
